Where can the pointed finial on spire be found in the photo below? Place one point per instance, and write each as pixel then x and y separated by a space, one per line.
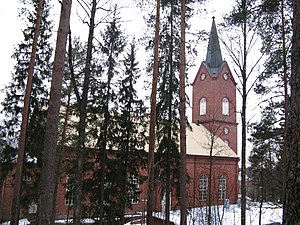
pixel 214 56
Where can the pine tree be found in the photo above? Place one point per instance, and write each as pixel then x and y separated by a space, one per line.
pixel 34 49
pixel 275 32
pixel 167 109
pixel 48 179
pixel 292 202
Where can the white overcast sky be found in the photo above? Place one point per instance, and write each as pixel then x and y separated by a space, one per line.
pixel 11 26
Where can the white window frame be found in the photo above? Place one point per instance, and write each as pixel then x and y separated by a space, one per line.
pixel 69 197
pixel 225 106
pixel 133 189
pixel 203 187
pixel 203 102
pixel 222 187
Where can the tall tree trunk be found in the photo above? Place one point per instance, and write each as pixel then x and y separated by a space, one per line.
pixel 212 136
pixel 103 154
pixel 183 175
pixel 150 194
pixel 60 154
pixel 170 93
pixel 51 135
pixel 15 209
pixel 286 98
pixel 82 120
pixel 244 102
pixel 292 202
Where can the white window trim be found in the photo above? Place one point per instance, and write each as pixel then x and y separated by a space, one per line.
pixel 225 106
pixel 203 103
pixel 222 187
pixel 203 187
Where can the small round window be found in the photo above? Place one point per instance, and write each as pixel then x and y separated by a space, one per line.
pixel 203 76
pixel 226 142
pixel 225 76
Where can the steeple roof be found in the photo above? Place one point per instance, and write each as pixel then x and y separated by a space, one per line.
pixel 213 56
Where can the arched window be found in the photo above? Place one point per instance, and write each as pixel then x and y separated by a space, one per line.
pixel 222 187
pixel 225 106
pixel 203 187
pixel 202 106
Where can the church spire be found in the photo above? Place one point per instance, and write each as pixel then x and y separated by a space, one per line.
pixel 213 56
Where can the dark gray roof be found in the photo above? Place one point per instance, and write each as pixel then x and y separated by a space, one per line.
pixel 214 59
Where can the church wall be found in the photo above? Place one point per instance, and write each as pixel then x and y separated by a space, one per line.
pixel 200 165
pixel 196 165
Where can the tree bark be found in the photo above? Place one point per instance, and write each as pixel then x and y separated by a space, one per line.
pixel 292 202
pixel 82 120
pixel 286 99
pixel 244 122
pixel 60 154
pixel 51 135
pixel 183 175
pixel 152 133
pixel 15 209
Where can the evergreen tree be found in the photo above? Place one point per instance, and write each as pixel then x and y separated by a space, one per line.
pixel 265 157
pixel 131 136
pixel 103 103
pixel 12 104
pixel 168 96
pixel 275 32
pixel 168 101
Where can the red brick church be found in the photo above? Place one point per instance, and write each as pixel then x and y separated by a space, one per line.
pixel 211 144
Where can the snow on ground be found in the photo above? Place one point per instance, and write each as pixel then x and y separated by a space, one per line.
pixel 231 215
pixel 21 222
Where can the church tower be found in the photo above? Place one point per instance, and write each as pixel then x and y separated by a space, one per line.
pixel 214 94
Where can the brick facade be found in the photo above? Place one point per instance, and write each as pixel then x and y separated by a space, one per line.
pixel 214 88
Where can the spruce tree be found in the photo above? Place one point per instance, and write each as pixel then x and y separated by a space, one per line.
pixel 14 97
pixel 131 122
pixel 103 102
pixel 168 120
pixel 265 158
pixel 12 107
pixel 168 102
